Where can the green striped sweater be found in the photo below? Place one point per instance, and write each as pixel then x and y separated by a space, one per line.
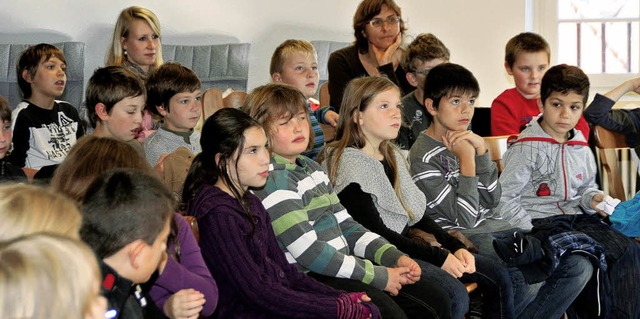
pixel 315 231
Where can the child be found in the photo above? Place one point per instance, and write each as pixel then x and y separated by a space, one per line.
pixel 45 275
pixel 295 62
pixel 185 276
pixel 549 178
pixel 313 228
pixel 45 130
pixel 67 265
pixel 449 100
pixel 561 175
pixel 127 216
pixel 27 209
pixel 237 241
pixel 424 53
pixel 8 171
pixel 115 99
pixel 373 182
pixel 526 58
pixel 451 166
pixel 173 92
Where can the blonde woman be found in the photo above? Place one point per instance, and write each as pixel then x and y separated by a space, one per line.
pixel 135 42
pixel 49 276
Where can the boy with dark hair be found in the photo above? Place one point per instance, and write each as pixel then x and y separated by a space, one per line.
pixel 173 92
pixel 115 99
pixel 560 176
pixel 526 58
pixel 44 130
pixel 451 165
pixel 295 62
pixel 549 181
pixel 126 221
pixel 422 55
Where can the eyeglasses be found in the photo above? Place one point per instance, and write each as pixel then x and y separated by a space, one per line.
pixel 377 22
pixel 423 72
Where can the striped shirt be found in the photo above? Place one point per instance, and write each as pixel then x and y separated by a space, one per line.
pixel 316 231
pixel 456 201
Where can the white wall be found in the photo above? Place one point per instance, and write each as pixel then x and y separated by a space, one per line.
pixel 474 31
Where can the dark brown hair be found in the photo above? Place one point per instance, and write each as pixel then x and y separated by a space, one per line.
pixel 366 10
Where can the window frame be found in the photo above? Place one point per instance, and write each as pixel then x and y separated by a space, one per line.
pixel 542 18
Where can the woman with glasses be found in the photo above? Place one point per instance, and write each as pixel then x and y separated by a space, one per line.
pixel 379 29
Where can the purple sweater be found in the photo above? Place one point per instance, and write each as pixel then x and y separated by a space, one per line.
pixel 253 275
pixel 190 272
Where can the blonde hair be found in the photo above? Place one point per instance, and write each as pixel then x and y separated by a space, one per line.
pixel 287 48
pixel 46 276
pixel 358 95
pixel 27 209
pixel 269 102
pixel 115 54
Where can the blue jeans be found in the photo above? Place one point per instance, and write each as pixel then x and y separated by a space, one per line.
pixel 456 290
pixel 549 299
pixel 493 281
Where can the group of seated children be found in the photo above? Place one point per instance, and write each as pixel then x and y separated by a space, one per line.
pixel 362 233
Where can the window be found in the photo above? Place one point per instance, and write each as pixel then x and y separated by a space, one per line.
pixel 602 37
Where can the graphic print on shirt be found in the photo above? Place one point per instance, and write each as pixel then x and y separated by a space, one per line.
pixel 543 173
pixel 55 140
pixel 452 168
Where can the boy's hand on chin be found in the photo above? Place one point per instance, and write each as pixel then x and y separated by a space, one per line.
pixel 455 137
pixel 460 147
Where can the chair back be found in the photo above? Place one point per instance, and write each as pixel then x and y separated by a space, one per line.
pixel 325 98
pixel 211 102
pixel 234 99
pixel 497 145
pixel 607 142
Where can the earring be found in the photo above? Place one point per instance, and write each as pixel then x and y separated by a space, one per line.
pixel 125 52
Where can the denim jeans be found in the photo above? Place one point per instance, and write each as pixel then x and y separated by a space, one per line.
pixel 456 290
pixel 493 281
pixel 549 299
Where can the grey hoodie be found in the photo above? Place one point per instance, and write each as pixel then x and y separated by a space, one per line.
pixel 543 178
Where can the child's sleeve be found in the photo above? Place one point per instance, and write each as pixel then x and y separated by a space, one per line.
pixel 190 272
pixel 361 206
pixel 503 119
pixel 589 188
pixel 515 175
pixel 294 231
pixel 488 186
pixel 321 112
pixel 460 204
pixel 20 141
pixel 600 113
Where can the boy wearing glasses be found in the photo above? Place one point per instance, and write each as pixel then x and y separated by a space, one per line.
pixel 379 29
pixel 422 55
